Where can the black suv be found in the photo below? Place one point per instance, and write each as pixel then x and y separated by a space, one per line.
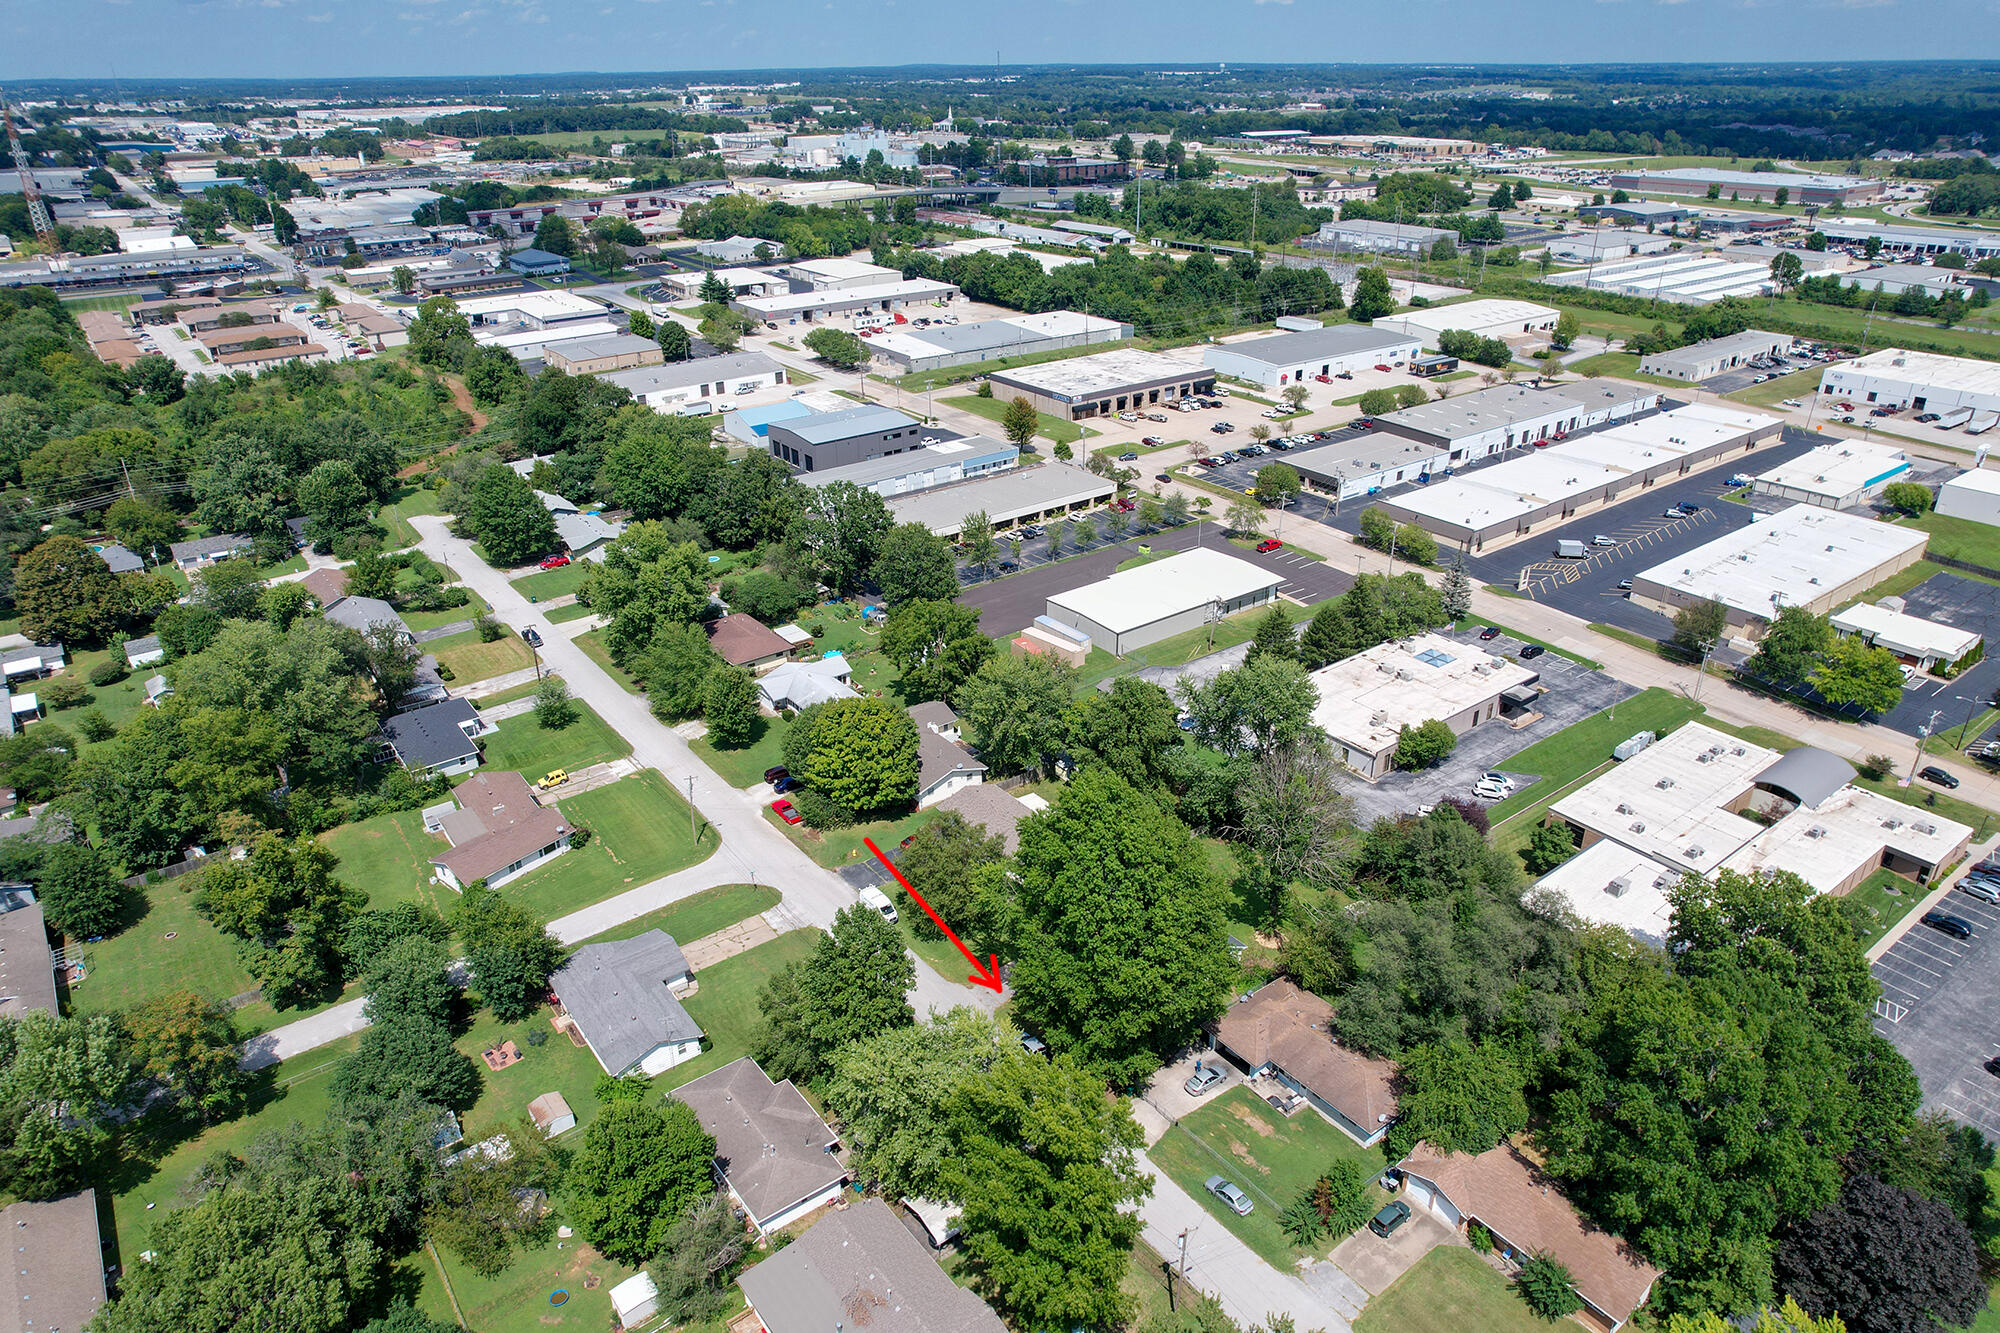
pixel 1956 927
pixel 1932 773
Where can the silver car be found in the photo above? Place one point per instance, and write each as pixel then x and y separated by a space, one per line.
pixel 1980 889
pixel 1202 1080
pixel 1239 1202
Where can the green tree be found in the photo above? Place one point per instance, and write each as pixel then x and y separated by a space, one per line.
pixel 440 334
pixel 1424 745
pixel 1908 497
pixel 1130 728
pixel 555 236
pixel 1548 1287
pixel 511 955
pixel 697 1253
pixel 914 564
pixel 641 1168
pixel 1699 626
pixel 1853 674
pixel 858 753
pixel 729 704
pixel 80 895
pixel 1015 709
pixel 894 1091
pixel 943 863
pixel 1277 483
pixel 722 330
pixel 1455 594
pixel 1020 421
pixel 646 582
pixel 554 709
pixel 1550 845
pixel 676 668
pixel 509 520
pixel 1296 819
pixel 60 1080
pixel 672 336
pixel 1275 637
pixel 187 1042
pixel 231 588
pixel 639 324
pixel 284 903
pixel 404 279
pixel 1335 1204
pixel 142 526
pixel 936 647
pixel 1258 706
pixel 1372 298
pixel 65 594
pixel 838 348
pixel 1121 949
pixel 838 535
pixel 1786 271
pixel 1377 402
pixel 1563 336
pixel 851 986
pixel 714 291
pixel 1791 649
pixel 1047 1166
pixel 335 500
pixel 1458 1097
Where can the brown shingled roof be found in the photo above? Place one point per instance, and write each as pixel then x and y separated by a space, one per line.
pixel 514 823
pixel 1511 1197
pixel 326 585
pixel 741 639
pixel 1293 1029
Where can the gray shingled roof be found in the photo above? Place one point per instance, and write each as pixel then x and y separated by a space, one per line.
pixel 617 994
pixel 432 736
pixel 204 547
pixel 861 1269
pixel 769 1141
pixel 362 613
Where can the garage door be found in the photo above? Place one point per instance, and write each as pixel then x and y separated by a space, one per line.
pixel 1417 1192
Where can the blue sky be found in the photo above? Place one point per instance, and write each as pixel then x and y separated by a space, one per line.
pixel 220 38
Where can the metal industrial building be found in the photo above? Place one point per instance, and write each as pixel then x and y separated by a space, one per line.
pixel 1692 278
pixel 1902 239
pixel 1841 474
pixel 1381 237
pixel 854 435
pixel 1802 556
pixel 941 345
pixel 925 467
pixel 1508 500
pixel 1010 496
pixel 1705 360
pixel 1921 381
pixel 1591 247
pixel 1490 317
pixel 1128 610
pixel 682 382
pixel 1800 187
pixel 1473 425
pixel 828 302
pixel 1278 359
pixel 1973 495
pixel 1109 382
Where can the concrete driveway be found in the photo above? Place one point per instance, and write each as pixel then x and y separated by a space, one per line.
pixel 1376 1263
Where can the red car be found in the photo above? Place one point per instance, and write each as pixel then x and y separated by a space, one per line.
pixel 1381 367
pixel 1268 545
pixel 1362 422
pixel 784 810
pixel 1323 379
pixel 555 562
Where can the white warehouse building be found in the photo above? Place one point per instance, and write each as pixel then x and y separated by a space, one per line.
pixel 1125 612
pixel 1922 381
pixel 1973 495
pixel 1705 360
pixel 1490 318
pixel 1841 474
pixel 1277 360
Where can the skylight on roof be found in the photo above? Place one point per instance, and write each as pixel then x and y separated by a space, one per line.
pixel 1432 657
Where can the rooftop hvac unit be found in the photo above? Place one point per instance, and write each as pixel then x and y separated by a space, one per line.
pixel 1385 667
pixel 1704 758
pixel 1816 831
pixel 1378 718
pixel 1663 881
pixel 1814 580
pixel 1694 853
pixel 1926 829
pixel 1664 783
pixel 1638 826
pixel 1738 750
pixel 1715 749
pixel 1403 673
pixel 1617 887
pixel 1892 822
pixel 1624 809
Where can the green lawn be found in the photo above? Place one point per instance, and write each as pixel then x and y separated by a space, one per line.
pixel 1889 898
pixel 838 847
pixel 553 583
pixel 745 767
pixel 141 961
pixel 574 611
pixel 1450 1290
pixel 1140 449
pixel 469 659
pixel 396 515
pixel 1272 1158
pixel 523 744
pixel 118 703
pixel 1960 539
pixel 702 914
pixel 593 648
pixel 1800 384
pixel 640 830
pixel 557 1065
pixel 517 1299
pixel 725 1003
pixel 993 409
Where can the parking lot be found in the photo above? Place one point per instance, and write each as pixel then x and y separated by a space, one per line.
pixel 1938 998
pixel 1949 599
pixel 1573 692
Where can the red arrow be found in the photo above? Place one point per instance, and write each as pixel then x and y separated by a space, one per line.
pixel 987 975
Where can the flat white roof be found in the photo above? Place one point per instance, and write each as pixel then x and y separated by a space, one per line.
pixel 1136 597
pixel 1944 372
pixel 1668 800
pixel 1365 700
pixel 1984 481
pixel 561 333
pixel 1838 467
pixel 1847 833
pixel 1087 377
pixel 537 305
pixel 1502 406
pixel 1795 556
pixel 1910 635
pixel 834 270
pixel 1750 342
pixel 1474 316
pixel 911 289
pixel 1609 884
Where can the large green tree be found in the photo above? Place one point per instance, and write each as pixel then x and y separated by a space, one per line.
pixel 187 1043
pixel 1130 728
pixel 508 519
pixel 1016 709
pixel 60 1081
pixel 511 954
pixel 1121 951
pixel 915 564
pixel 1046 1167
pixel 1372 298
pixel 1854 674
pixel 647 580
pixel 851 986
pixel 284 904
pixel 859 753
pixel 1257 707
pixel 641 1167
pixel 65 594
pixel 838 535
pixel 1458 1097
pixel 1791 649
pixel 943 863
pixel 935 645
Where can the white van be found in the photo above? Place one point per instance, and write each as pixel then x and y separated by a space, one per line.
pixel 875 898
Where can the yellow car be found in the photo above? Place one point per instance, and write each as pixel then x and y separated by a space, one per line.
pixel 555 777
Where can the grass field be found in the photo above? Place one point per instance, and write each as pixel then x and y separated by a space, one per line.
pixel 725 1004
pixel 574 611
pixel 1960 539
pixel 745 767
pixel 702 914
pixel 117 703
pixel 1800 384
pixel 1889 898
pixel 993 409
pixel 1450 1290
pixel 396 516
pixel 116 304
pixel 553 583
pixel 835 848
pixel 141 961
pixel 524 745
pixel 469 659
pixel 1271 1157
pixel 640 831
pixel 593 648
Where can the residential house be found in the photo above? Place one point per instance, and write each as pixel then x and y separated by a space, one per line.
pixel 742 640
pixel 207 550
pixel 583 535
pixel 860 1268
pixel 798 685
pixel 362 614
pixel 551 1114
pixel 30 661
pixel 17 710
pixel 990 808
pixel 773 1153
pixel 623 999
pixel 1526 1214
pixel 27 967
pixel 944 766
pixel 439 738
pixel 1287 1033
pixel 144 652
pixel 327 585
pixel 498 833
pixel 120 560
pixel 53 1281
pixel 158 690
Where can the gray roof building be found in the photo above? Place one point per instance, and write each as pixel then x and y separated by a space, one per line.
pixel 861 1268
pixel 53 1280
pixel 643 380
pixel 582 534
pixel 210 548
pixel 827 427
pixel 364 613
pixel 436 736
pixel 119 560
pixel 770 1145
pixel 27 967
pixel 1003 497
pixel 991 808
pixel 620 995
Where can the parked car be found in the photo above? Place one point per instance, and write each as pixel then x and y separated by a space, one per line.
pixel 1956 927
pixel 1221 428
pixel 1202 1080
pixel 785 784
pixel 1128 457
pixel 875 898
pixel 1343 374
pixel 1381 367
pixel 1927 417
pixel 1601 540
pixel 1980 889
pixel 1163 476
pixel 1033 1045
pixel 1624 585
pixel 1690 507
pixel 1153 441
pixel 1393 1214
pixel 786 811
pixel 1532 651
pixel 1932 773
pixel 1268 545
pixel 775 772
pixel 531 636
pixel 556 561
pixel 1156 416
pixel 1490 632
pixel 1239 1202
pixel 555 777
pixel 1491 791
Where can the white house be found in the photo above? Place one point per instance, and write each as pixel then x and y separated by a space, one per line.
pixel 773 1153
pixel 623 998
